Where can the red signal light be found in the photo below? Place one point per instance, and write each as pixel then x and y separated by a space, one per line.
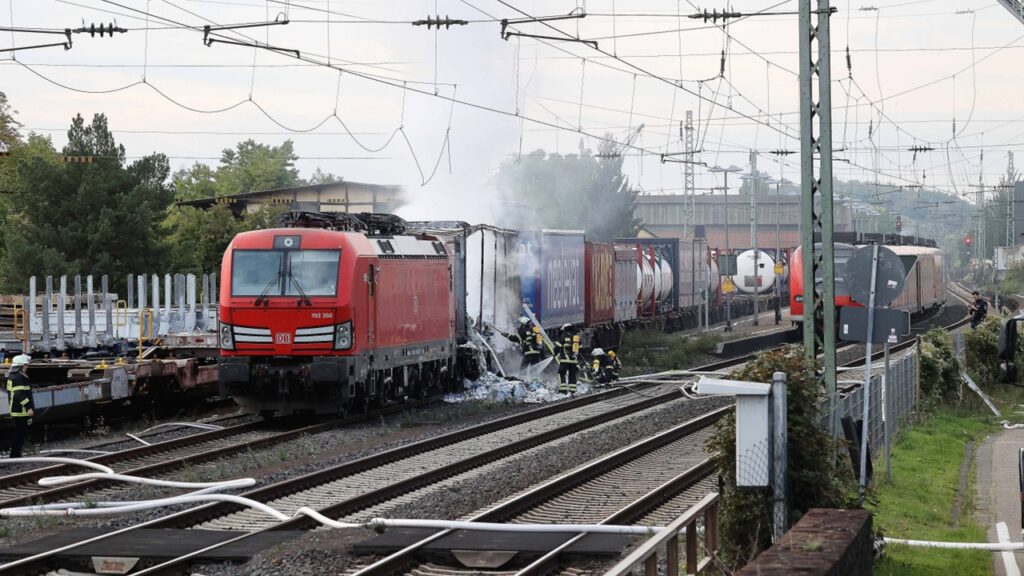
pixel 967 240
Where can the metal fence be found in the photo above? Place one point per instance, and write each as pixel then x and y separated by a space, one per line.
pixel 890 408
pixel 960 347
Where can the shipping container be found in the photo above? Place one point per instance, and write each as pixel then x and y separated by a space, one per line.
pixel 599 287
pixel 625 283
pixel 552 276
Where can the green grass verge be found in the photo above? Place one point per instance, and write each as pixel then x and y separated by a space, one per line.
pixel 925 471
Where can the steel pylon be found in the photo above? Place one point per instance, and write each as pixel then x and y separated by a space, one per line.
pixel 816 216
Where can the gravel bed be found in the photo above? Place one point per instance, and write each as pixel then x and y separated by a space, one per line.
pixel 280 462
pixel 326 551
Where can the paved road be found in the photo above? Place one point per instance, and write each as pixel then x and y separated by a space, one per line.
pixel 999 496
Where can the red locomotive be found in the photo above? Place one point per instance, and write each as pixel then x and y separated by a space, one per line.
pixel 326 320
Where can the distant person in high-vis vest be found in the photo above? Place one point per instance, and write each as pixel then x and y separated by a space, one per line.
pixel 19 394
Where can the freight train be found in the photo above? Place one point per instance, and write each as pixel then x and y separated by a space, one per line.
pixel 335 312
pixel 924 289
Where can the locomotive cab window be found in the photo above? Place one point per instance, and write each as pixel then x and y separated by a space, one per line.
pixel 276 273
pixel 254 270
pixel 313 273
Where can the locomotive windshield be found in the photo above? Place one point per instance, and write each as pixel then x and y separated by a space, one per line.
pixel 269 273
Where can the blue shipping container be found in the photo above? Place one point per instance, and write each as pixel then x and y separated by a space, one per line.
pixel 552 275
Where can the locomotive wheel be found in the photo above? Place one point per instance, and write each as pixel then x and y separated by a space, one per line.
pixel 414 388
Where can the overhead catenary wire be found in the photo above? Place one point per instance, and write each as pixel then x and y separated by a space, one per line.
pixel 757 120
pixel 308 58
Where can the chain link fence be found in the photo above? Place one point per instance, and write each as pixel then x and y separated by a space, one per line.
pixel 886 409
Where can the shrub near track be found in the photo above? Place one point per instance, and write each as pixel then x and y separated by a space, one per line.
pixel 940 369
pixel 819 469
pixel 646 351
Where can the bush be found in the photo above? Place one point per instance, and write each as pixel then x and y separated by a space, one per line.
pixel 645 351
pixel 982 352
pixel 819 471
pixel 940 369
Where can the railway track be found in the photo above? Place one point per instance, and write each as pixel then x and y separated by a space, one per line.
pixel 348 490
pixel 641 484
pixel 594 501
pixel 161 458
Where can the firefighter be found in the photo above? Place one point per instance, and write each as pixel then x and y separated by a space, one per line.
pixel 603 366
pixel 533 347
pixel 19 394
pixel 522 334
pixel 568 358
pixel 616 364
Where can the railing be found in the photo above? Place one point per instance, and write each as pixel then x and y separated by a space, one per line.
pixel 701 518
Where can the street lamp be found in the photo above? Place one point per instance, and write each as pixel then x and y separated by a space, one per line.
pixel 753 179
pixel 728 295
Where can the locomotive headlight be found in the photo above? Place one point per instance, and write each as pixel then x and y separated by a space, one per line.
pixel 227 337
pixel 343 336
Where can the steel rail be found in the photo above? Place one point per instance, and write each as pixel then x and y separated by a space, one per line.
pixel 537 496
pixel 149 470
pixel 200 514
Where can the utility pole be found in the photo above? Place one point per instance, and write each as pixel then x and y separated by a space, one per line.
pixel 816 193
pixel 730 262
pixel 690 207
pixel 689 213
pixel 754 178
pixel 980 201
pixel 1010 172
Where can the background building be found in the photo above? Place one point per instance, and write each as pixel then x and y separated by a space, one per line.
pixel 340 196
pixel 664 215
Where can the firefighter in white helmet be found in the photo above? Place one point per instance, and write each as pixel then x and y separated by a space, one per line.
pixel 19 394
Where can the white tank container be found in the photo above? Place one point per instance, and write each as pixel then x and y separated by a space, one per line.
pixel 749 280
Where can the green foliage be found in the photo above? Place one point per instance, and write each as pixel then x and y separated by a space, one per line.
pixel 576 192
pixel 819 471
pixel 982 351
pixel 1013 282
pixel 645 351
pixel 82 218
pixel 195 238
pixel 940 369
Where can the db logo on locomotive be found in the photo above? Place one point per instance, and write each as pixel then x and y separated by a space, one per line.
pixel 283 338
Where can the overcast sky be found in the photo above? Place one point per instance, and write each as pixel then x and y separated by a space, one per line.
pixel 917 66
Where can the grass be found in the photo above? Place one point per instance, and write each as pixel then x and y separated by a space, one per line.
pixel 925 471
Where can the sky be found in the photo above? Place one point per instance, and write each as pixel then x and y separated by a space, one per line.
pixel 372 98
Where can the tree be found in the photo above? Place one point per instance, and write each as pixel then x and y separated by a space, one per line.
pixel 196 239
pixel 252 166
pixel 96 218
pixel 577 191
pixel 10 140
pixel 321 177
pixel 9 133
